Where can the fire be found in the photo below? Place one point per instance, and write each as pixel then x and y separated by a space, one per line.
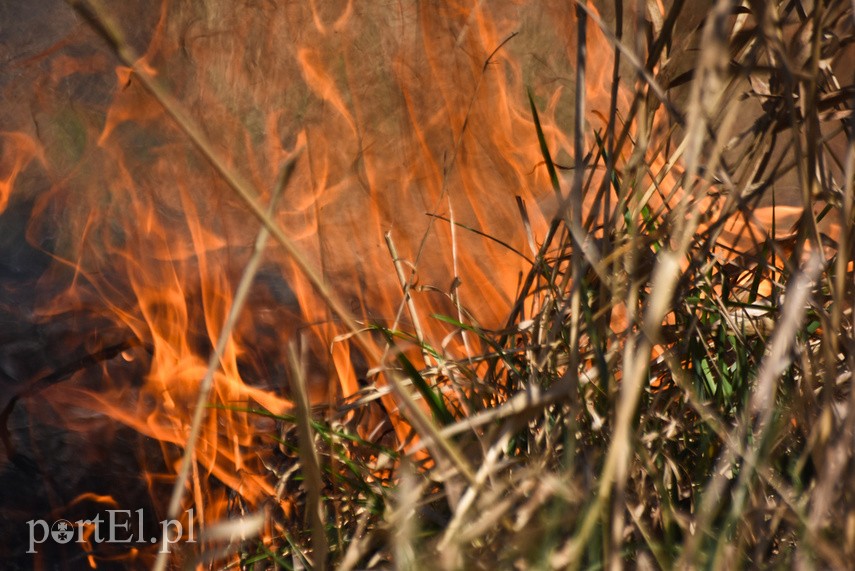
pixel 408 119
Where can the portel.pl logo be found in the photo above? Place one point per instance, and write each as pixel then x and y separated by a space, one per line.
pixel 117 527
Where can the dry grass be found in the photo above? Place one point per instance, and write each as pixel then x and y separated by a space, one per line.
pixel 666 393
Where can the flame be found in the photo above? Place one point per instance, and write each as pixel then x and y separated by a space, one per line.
pixel 409 119
pixel 17 151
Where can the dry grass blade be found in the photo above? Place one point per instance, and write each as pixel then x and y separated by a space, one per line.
pixel 783 339
pixel 405 288
pixel 311 465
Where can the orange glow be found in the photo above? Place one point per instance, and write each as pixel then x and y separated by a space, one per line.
pixel 16 152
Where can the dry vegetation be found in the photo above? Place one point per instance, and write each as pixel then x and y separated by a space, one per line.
pixel 665 392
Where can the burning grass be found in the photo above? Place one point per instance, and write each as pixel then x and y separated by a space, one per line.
pixel 662 393
pixel 671 384
pixel 706 425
